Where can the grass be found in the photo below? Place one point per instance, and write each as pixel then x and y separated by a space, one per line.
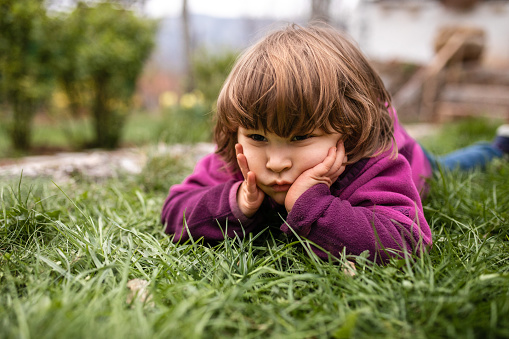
pixel 69 251
pixel 461 134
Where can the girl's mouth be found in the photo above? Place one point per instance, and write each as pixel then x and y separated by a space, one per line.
pixel 281 188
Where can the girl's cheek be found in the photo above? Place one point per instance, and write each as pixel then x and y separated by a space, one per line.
pixel 320 154
pixel 309 160
pixel 247 151
pixel 252 156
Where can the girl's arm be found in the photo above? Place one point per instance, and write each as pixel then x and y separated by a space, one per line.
pixel 379 210
pixel 205 204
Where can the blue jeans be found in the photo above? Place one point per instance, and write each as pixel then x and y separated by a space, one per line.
pixel 471 157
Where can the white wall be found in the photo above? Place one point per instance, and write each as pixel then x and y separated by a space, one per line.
pixel 405 30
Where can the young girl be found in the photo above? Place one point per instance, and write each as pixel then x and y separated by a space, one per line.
pixel 306 137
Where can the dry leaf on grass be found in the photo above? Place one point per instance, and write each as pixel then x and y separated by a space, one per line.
pixel 349 269
pixel 138 291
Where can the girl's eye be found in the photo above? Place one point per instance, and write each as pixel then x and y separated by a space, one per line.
pixel 301 137
pixel 257 137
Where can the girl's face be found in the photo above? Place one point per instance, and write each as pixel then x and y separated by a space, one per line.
pixel 277 162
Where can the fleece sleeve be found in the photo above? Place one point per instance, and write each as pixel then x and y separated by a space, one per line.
pixel 380 211
pixel 205 204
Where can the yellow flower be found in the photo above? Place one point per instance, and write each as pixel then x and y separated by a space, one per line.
pixel 189 100
pixel 60 100
pixel 168 99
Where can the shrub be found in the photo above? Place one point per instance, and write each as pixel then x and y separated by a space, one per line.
pixel 104 48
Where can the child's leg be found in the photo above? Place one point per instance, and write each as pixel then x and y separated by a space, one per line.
pixel 475 156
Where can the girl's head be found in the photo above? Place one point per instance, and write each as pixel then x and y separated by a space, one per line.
pixel 301 78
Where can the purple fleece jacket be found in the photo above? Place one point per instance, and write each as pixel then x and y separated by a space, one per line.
pixel 379 194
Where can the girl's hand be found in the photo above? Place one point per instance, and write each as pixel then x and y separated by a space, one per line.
pixel 326 172
pixel 249 195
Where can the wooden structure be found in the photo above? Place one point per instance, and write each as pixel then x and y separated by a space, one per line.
pixel 454 84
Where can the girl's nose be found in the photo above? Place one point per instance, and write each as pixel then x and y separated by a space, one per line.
pixel 278 160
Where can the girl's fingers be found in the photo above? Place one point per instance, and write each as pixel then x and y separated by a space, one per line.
pixel 339 163
pixel 341 157
pixel 242 160
pixel 329 161
pixel 251 183
pixel 249 196
pixel 333 164
pixel 341 147
pixel 238 149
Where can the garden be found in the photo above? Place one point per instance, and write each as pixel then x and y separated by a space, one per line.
pixel 86 257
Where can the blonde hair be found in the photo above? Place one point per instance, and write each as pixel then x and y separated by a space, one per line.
pixel 300 78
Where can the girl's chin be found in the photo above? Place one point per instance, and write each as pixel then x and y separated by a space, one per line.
pixel 279 198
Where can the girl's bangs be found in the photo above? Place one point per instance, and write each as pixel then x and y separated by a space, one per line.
pixel 278 99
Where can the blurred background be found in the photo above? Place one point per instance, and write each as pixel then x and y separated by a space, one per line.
pixel 77 75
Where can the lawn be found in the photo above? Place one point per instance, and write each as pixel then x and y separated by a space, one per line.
pixel 72 252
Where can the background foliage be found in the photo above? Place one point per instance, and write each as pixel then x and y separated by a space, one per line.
pixel 25 66
pixel 211 71
pixel 94 55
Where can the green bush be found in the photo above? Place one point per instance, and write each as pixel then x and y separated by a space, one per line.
pixel 210 71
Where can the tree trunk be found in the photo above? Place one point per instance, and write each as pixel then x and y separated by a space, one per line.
pixel 107 123
pixel 188 51
pixel 21 128
pixel 320 10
